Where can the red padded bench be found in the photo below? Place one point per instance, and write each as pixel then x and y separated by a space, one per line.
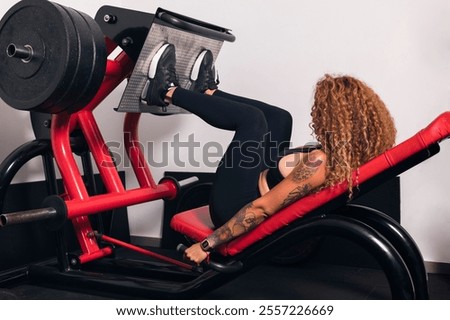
pixel 196 223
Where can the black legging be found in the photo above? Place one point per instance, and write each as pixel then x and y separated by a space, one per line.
pixel 261 131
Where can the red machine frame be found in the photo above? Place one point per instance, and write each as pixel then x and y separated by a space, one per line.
pixel 78 202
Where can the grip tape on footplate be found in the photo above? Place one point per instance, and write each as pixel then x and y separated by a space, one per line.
pixel 188 47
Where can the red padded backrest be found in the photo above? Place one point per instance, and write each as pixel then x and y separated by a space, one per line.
pixel 197 225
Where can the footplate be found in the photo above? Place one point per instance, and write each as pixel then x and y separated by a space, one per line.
pixel 190 38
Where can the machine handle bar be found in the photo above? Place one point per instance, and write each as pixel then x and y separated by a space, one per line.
pixel 198 27
pixel 232 267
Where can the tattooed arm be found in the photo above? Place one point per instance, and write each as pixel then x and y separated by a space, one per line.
pixel 305 176
pixel 243 221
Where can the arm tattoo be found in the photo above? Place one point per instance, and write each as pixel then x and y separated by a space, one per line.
pixel 302 173
pixel 244 220
pixel 297 193
pixel 306 170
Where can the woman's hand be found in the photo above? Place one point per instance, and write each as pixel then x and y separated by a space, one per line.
pixel 195 253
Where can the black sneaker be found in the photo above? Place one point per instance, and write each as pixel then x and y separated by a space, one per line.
pixel 203 74
pixel 161 76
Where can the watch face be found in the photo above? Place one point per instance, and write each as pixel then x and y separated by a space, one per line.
pixel 205 245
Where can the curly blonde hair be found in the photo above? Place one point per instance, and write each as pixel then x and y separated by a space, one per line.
pixel 352 124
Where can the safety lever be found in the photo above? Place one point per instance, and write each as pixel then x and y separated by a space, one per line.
pixel 232 267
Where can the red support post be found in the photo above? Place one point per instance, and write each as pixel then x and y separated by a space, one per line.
pixel 79 203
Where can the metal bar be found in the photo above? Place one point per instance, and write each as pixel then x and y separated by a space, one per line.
pixel 11 165
pixel 105 202
pixel 49 173
pixel 377 245
pixel 134 151
pixel 27 216
pixel 52 189
pixel 89 177
pixel 399 238
pixel 60 131
pixel 144 251
pixel 20 52
pixel 100 152
pixel 62 126
pixel 196 26
pixel 94 255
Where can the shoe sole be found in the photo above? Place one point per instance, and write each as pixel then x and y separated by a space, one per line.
pixel 155 60
pixel 152 69
pixel 197 64
pixel 145 90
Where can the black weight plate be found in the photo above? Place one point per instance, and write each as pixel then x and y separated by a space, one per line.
pixel 34 85
pixel 91 62
pixel 57 102
pixel 99 59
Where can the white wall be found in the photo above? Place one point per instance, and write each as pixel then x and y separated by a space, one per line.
pixel 401 48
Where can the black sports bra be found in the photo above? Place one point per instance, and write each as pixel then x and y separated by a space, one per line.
pixel 274 175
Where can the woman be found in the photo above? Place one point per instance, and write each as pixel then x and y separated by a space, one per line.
pixel 258 176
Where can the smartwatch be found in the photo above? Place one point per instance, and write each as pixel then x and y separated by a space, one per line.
pixel 205 245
